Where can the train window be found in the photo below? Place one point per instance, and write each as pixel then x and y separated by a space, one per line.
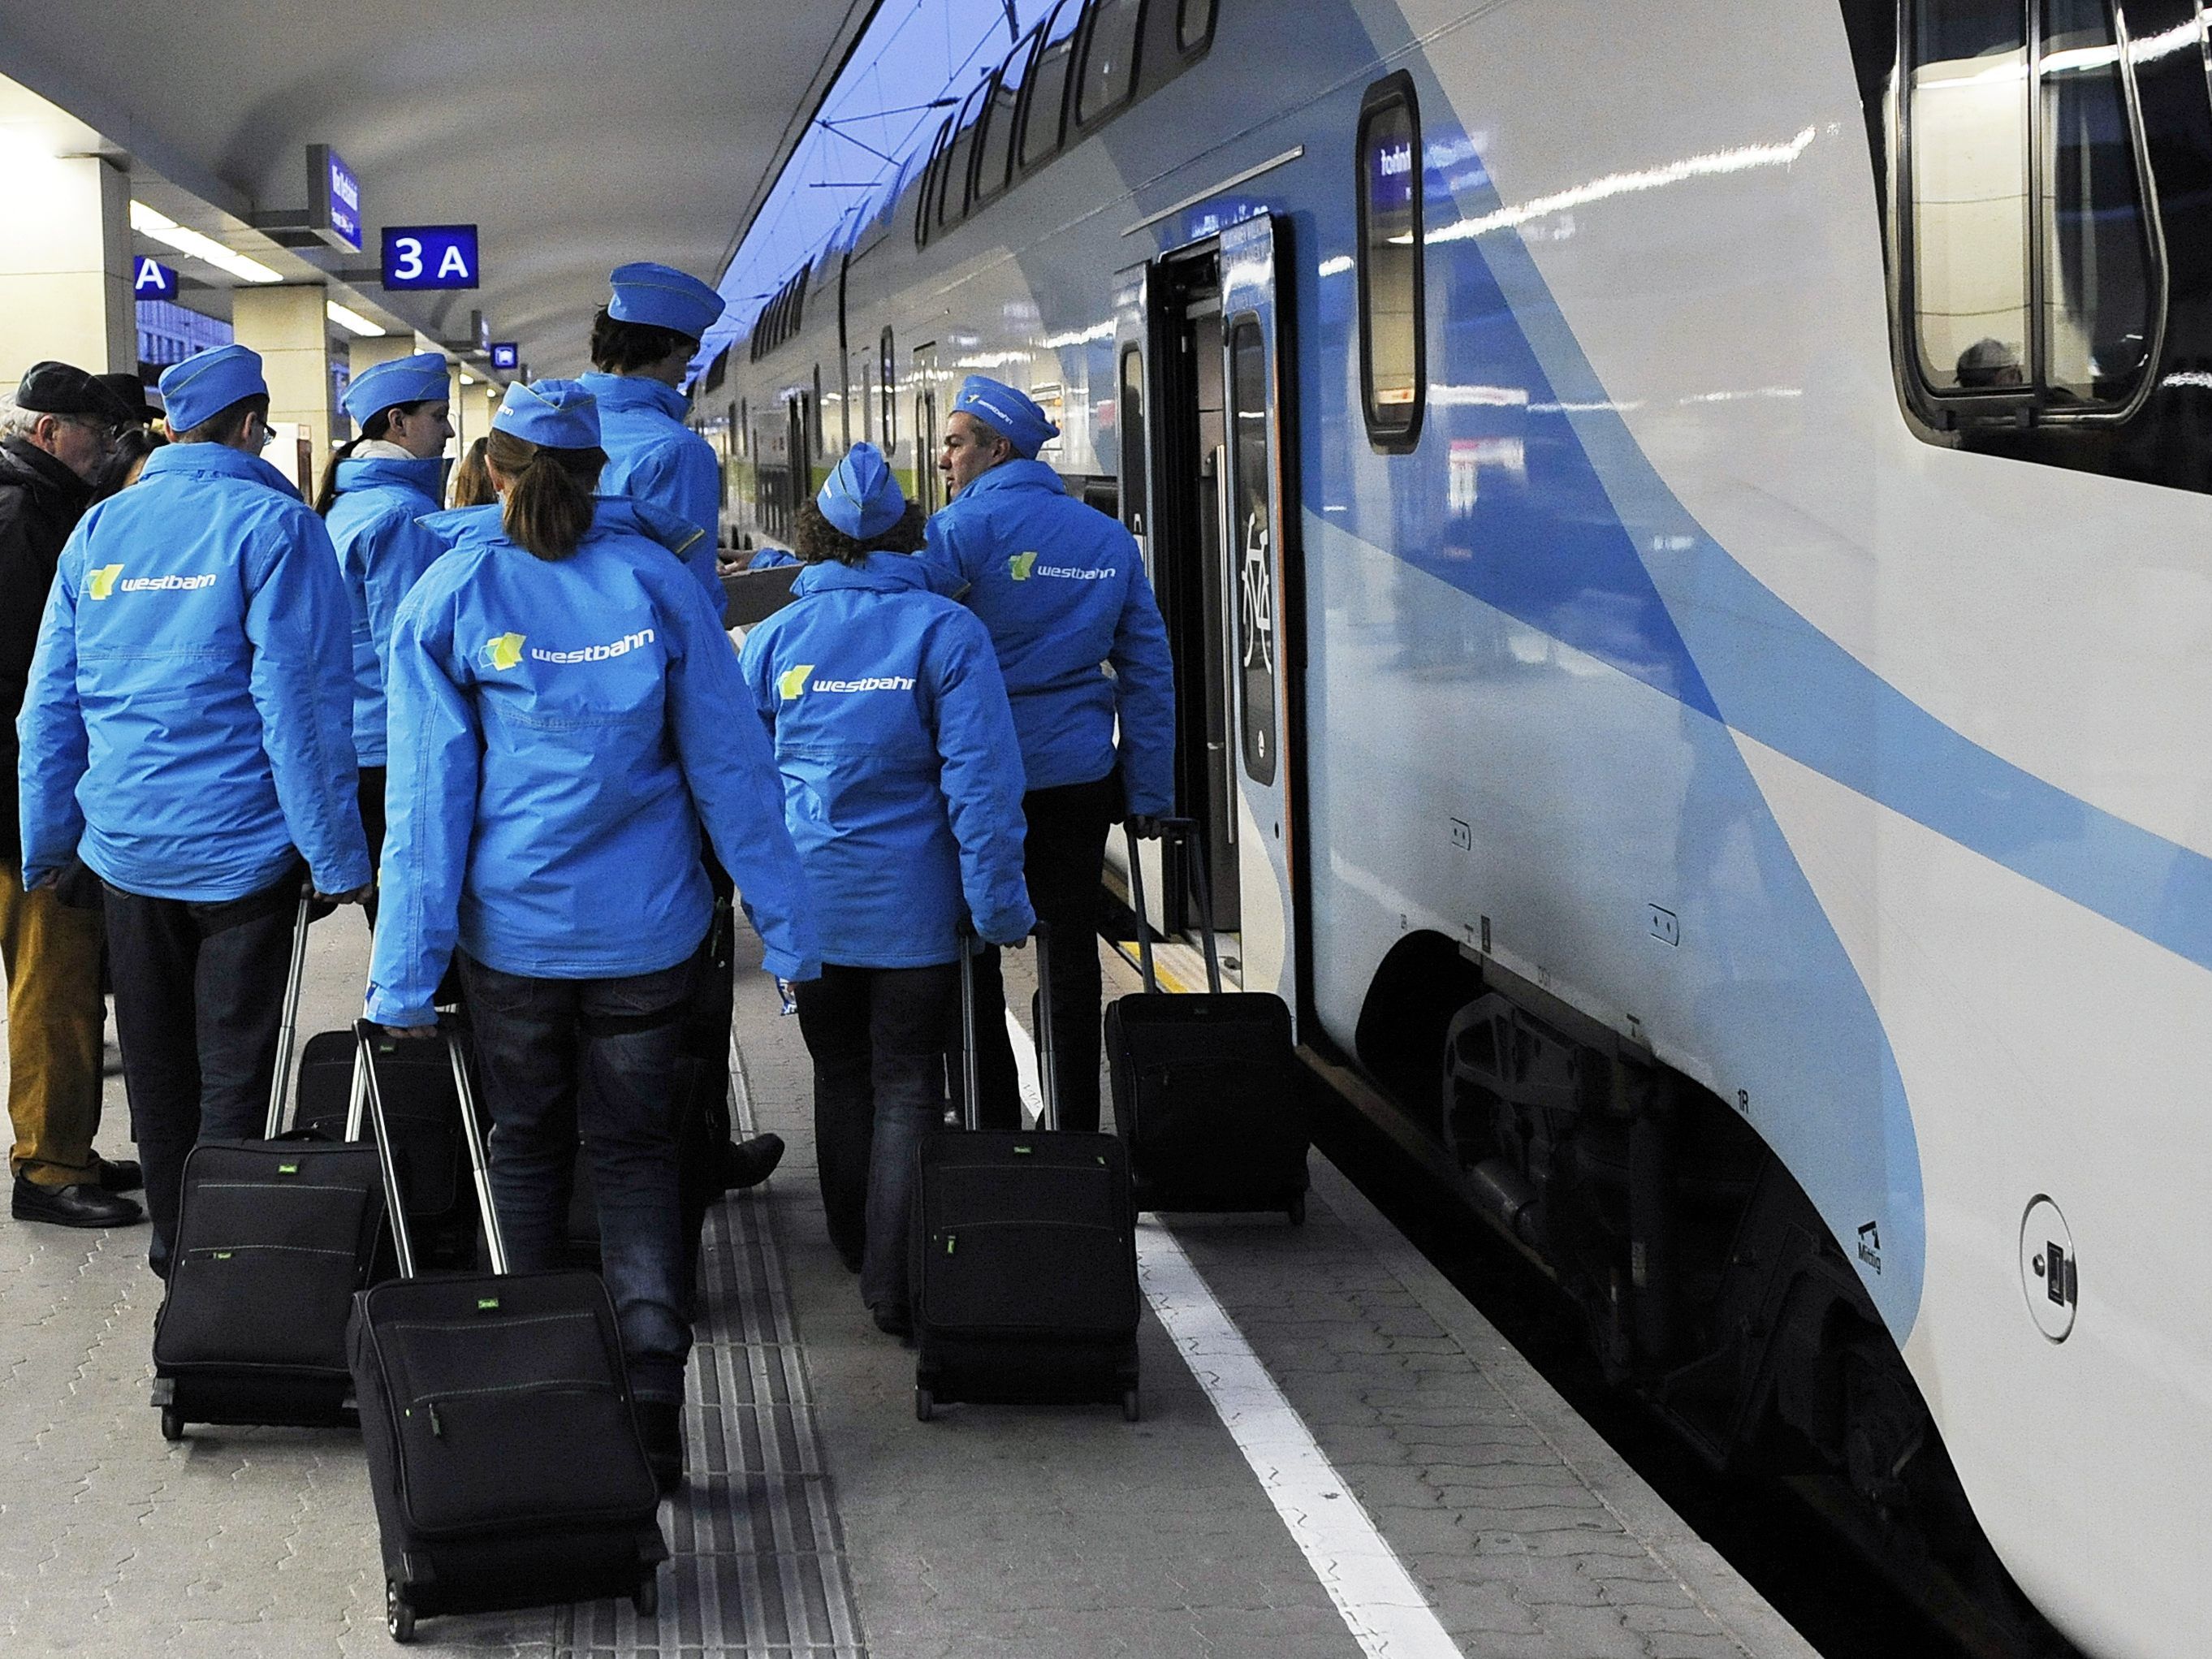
pixel 1129 418
pixel 2034 280
pixel 933 178
pixel 995 150
pixel 1110 59
pixel 1254 551
pixel 953 204
pixel 1393 360
pixel 889 390
pixel 1048 89
pixel 1193 23
pixel 867 400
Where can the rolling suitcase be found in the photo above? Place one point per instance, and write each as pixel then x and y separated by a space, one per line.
pixel 426 1125
pixel 1023 1250
pixel 1208 1093
pixel 273 1237
pixel 496 1411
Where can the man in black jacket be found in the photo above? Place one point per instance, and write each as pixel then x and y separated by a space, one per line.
pixel 54 433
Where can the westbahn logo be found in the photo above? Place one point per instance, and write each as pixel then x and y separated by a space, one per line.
pixel 502 650
pixel 104 580
pixel 792 681
pixel 1023 566
pixel 1020 565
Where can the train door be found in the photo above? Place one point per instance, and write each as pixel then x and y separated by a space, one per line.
pixel 799 480
pixel 928 489
pixel 1202 485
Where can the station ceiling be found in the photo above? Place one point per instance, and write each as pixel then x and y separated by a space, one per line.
pixel 576 134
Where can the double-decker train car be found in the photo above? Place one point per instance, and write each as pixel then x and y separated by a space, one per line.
pixel 1684 533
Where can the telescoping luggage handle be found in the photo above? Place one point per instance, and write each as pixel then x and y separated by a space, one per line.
pixel 288 1030
pixel 1184 831
pixel 971 1087
pixel 367 1034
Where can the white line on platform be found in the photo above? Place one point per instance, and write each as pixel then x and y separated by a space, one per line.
pixel 1380 1604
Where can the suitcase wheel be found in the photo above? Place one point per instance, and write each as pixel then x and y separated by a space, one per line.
pixel 646 1598
pixel 1296 1211
pixel 924 1407
pixel 399 1613
pixel 173 1423
pixel 1130 1409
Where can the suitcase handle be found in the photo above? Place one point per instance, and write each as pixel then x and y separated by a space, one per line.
pixel 1184 831
pixel 971 1087
pixel 288 1030
pixel 365 1036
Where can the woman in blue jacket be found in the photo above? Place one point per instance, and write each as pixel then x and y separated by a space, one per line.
pixel 373 491
pixel 566 714
pixel 903 787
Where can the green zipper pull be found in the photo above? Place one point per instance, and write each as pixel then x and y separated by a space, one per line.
pixel 948 1244
pixel 437 1427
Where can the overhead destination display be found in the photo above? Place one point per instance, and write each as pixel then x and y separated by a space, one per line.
pixel 430 257
pixel 152 280
pixel 333 198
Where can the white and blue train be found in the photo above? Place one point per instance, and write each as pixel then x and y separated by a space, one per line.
pixel 1684 530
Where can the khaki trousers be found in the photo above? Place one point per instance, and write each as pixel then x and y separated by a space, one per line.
pixel 51 953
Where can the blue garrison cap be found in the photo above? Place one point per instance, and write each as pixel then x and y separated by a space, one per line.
pixel 862 498
pixel 1013 415
pixel 646 293
pixel 418 379
pixel 202 387
pixel 558 414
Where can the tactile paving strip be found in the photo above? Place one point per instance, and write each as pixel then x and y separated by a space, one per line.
pixel 759 1565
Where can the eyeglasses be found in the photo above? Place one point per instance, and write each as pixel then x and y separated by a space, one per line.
pixel 107 432
pixel 268 432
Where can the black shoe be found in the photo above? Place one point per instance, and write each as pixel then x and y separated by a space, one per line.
pixel 119 1175
pixel 660 1426
pixel 749 1163
pixel 78 1205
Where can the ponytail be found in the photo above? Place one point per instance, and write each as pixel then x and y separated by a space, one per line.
pixel 549 501
pixel 376 426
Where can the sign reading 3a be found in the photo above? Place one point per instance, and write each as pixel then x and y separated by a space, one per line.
pixel 430 256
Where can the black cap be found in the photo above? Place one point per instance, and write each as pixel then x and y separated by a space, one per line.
pixel 52 388
pixel 131 391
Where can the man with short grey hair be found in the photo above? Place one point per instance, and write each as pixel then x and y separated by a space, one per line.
pixel 56 431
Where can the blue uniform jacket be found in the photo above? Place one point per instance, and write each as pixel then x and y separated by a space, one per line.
pixel 187 722
pixel 559 730
pixel 653 457
pixel 381 550
pixel 901 782
pixel 1062 589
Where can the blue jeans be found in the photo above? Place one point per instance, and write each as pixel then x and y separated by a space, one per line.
pixel 877 1037
pixel 543 1047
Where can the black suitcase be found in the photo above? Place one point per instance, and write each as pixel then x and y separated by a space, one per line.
pixel 424 1112
pixel 1208 1093
pixel 273 1237
pixel 1023 1250
pixel 502 1454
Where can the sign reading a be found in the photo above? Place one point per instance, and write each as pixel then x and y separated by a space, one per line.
pixel 505 354
pixel 430 256
pixel 152 280
pixel 333 198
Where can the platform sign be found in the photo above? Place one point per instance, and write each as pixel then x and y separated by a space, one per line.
pixel 152 280
pixel 333 198
pixel 430 257
pixel 505 354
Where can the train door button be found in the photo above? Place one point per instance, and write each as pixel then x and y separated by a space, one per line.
pixel 2049 1273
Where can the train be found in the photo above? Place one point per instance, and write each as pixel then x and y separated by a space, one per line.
pixel 1685 535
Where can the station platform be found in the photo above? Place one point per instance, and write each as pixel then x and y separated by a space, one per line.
pixel 1338 1457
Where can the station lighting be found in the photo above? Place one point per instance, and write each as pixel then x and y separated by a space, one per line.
pixel 162 229
pixel 353 321
pixel 468 380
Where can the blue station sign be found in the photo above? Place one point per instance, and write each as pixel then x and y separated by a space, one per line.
pixel 333 198
pixel 152 280
pixel 430 256
pixel 505 354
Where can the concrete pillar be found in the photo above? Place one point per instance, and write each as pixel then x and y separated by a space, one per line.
pixel 65 265
pixel 289 328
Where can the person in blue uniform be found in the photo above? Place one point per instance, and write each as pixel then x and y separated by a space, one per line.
pixel 643 341
pixel 567 712
pixel 1061 588
pixel 372 491
pixel 903 787
pixel 187 735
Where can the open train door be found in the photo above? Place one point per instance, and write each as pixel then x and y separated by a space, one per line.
pixel 1256 506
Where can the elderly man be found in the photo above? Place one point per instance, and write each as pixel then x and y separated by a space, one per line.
pixel 1061 588
pixel 55 433
pixel 187 734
